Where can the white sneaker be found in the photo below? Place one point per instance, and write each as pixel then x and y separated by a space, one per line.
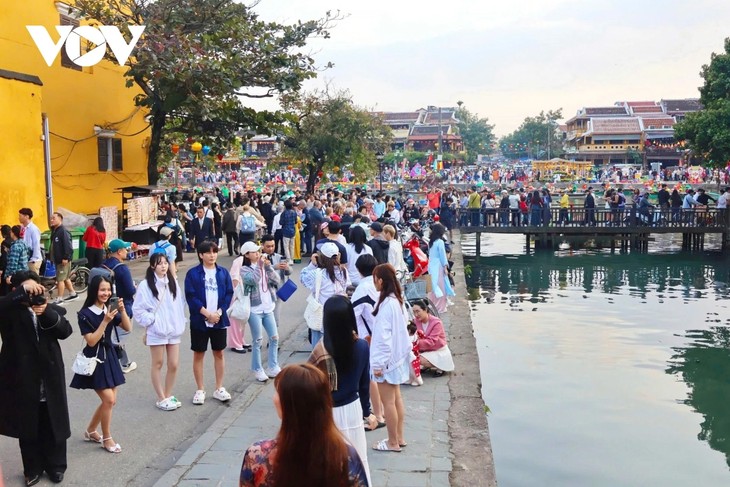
pixel 417 382
pixel 222 395
pixel 199 397
pixel 129 368
pixel 260 375
pixel 166 404
pixel 273 372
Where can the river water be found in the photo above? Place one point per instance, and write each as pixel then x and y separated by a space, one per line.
pixel 603 369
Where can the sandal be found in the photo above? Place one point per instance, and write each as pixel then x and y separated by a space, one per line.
pixel 382 445
pixel 438 373
pixel 381 424
pixel 111 449
pixel 89 436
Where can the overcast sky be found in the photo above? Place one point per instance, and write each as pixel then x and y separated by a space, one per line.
pixel 510 59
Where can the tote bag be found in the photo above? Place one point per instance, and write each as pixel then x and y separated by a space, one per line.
pixel 313 312
pixel 241 308
pixel 84 365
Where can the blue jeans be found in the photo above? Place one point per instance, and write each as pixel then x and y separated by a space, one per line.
pixel 266 321
pixel 316 336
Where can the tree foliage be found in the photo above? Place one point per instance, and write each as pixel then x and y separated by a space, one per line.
pixel 708 131
pixel 197 58
pixel 476 133
pixel 534 136
pixel 329 131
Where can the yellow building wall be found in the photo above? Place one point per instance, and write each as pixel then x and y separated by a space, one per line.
pixel 76 101
pixel 22 176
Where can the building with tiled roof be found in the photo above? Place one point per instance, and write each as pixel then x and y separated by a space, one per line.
pixel 680 108
pixel 419 130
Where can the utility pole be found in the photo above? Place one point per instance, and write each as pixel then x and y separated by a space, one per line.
pixel 441 145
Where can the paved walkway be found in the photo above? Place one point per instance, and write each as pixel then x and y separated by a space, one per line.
pixel 214 459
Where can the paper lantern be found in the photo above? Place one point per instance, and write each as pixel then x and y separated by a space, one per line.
pixel 175 148
pixel 220 157
pixel 320 174
pixel 196 147
pixel 206 150
pixel 290 167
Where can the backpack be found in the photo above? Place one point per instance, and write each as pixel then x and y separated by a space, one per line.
pixel 248 224
pixel 160 249
pixel 103 271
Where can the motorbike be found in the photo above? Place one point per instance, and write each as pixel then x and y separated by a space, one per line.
pixel 414 255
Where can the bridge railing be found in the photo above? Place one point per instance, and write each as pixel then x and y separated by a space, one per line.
pixel 601 217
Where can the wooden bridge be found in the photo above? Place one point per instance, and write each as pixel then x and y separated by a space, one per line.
pixel 625 228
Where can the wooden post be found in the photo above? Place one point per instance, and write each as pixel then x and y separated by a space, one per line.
pixel 479 244
pixel 527 242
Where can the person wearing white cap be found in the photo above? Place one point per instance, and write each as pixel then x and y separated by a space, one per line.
pixel 260 279
pixel 163 246
pixel 324 271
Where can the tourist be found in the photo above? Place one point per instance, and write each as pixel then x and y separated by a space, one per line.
pixel 355 249
pixel 159 307
pixel 438 268
pixel 163 246
pixel 34 408
pixel 390 349
pixel 95 238
pixel 432 347
pixel 675 200
pixel 589 206
pixel 288 222
pixel 237 330
pixel 260 280
pixel 308 449
pixel 17 255
pixel 378 243
pixel 324 277
pixel 228 225
pixel 217 223
pixel 32 238
pixel 61 254
pixel 281 266
pixel 563 218
pixel 395 249
pixel 201 228
pixel 208 291
pixel 97 320
pixel 345 359
pixel 125 289
pixel 247 224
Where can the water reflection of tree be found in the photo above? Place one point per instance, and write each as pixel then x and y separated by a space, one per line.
pixel 705 367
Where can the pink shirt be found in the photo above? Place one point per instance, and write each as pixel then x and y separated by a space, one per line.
pixel 434 335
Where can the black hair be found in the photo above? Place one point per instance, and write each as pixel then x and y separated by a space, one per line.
pixel 99 224
pixel 15 230
pixel 437 231
pixel 288 204
pixel 26 211
pixel 21 276
pixel 358 238
pixel 93 293
pixel 150 275
pixel 339 327
pixel 267 238
pixel 206 246
pixel 5 231
pixel 365 264
pixel 329 264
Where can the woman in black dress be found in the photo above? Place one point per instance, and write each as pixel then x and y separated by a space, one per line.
pixel 97 322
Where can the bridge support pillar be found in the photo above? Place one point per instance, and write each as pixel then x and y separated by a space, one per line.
pixel 527 242
pixel 479 243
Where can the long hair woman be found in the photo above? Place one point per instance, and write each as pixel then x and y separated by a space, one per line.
pixel 390 349
pixel 308 449
pixel 433 349
pixel 95 237
pixel 96 322
pixel 324 268
pixel 345 358
pixel 438 268
pixel 536 206
pixel 159 306
pixel 355 249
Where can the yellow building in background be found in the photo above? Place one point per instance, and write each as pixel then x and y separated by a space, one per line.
pixel 96 140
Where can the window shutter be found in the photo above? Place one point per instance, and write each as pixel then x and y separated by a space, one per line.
pixel 117 155
pixel 103 147
pixel 65 60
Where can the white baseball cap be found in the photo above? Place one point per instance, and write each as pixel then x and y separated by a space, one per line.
pixel 250 247
pixel 329 249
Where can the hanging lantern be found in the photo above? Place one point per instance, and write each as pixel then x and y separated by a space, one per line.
pixel 220 157
pixel 196 147
pixel 320 174
pixel 336 168
pixel 290 167
pixel 206 150
pixel 175 148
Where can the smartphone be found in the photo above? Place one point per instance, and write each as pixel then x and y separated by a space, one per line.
pixel 113 303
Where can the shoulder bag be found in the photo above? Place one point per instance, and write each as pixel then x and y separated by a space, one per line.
pixel 84 365
pixel 240 309
pixel 313 312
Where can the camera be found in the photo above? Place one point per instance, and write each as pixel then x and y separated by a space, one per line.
pixel 37 300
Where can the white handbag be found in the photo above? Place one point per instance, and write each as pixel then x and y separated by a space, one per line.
pixel 313 312
pixel 84 365
pixel 240 309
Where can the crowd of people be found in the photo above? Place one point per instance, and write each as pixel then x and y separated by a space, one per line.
pixel 367 339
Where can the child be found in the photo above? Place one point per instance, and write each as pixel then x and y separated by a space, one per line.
pixel 415 374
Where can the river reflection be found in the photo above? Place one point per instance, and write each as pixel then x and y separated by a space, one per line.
pixel 604 369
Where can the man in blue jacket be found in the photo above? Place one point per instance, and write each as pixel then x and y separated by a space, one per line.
pixel 125 289
pixel 208 291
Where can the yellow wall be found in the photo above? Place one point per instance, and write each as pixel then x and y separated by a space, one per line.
pixel 22 180
pixel 74 101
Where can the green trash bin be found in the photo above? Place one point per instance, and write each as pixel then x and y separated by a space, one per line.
pixel 78 245
pixel 46 240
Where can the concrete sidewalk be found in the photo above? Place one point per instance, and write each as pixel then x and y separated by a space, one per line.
pixel 215 458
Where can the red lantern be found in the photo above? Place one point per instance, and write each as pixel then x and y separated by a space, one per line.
pixel 175 149
pixel 290 167
pixel 220 157
pixel 320 174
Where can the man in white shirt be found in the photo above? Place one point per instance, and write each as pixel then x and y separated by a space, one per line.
pixel 32 238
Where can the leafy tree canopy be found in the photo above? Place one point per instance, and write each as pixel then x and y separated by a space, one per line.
pixel 708 131
pixel 476 133
pixel 198 58
pixel 534 136
pixel 329 131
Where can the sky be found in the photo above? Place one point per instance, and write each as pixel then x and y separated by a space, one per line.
pixel 510 60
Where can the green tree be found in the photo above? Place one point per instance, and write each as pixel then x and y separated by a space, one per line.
pixel 197 59
pixel 476 133
pixel 537 137
pixel 708 131
pixel 329 130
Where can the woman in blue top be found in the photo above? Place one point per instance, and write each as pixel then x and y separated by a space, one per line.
pixel 97 322
pixel 438 267
pixel 345 358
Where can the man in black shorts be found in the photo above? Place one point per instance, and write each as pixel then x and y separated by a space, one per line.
pixel 208 291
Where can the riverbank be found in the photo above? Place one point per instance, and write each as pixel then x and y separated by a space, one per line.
pixel 446 425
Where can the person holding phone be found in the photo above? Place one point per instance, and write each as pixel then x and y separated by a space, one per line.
pixel 97 320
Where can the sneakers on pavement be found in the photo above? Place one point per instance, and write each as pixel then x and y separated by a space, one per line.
pixel 129 367
pixel 167 404
pixel 58 302
pixel 222 394
pixel 273 372
pixel 199 397
pixel 260 375
pixel 72 297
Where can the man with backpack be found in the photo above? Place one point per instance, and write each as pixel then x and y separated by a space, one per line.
pixel 163 246
pixel 115 269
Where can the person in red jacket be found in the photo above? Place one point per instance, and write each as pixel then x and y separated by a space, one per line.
pixel 95 238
